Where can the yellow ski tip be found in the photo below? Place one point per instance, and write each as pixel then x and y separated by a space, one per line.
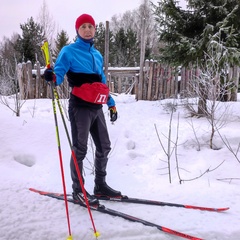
pixel 69 238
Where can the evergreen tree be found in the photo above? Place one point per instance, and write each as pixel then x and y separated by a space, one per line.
pixel 99 39
pixel 206 25
pixel 120 49
pixel 132 20
pixel 61 41
pixel 28 45
pixel 133 51
pixel 125 48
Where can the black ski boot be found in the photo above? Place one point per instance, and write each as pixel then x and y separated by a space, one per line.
pixel 79 198
pixel 103 190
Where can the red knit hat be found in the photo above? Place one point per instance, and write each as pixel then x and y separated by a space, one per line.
pixel 84 18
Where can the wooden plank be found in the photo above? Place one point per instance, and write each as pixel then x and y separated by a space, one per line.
pixel 150 79
pixel 158 70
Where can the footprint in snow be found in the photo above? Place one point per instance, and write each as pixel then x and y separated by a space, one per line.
pixel 130 144
pixel 25 159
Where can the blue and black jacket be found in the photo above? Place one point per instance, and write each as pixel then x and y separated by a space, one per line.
pixel 82 63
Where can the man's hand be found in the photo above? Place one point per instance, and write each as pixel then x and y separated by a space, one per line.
pixel 49 75
pixel 113 113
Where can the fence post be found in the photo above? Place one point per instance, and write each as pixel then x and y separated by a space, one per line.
pixel 141 73
pixel 25 80
pixel 172 83
pixel 150 79
pixel 20 80
pixel 235 81
pixel 106 54
pixel 119 80
pixel 157 77
pixel 136 79
pixel 182 83
pixel 38 77
pixel 145 80
pixel 176 84
pixel 30 83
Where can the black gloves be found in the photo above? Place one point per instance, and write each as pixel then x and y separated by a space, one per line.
pixel 113 113
pixel 49 75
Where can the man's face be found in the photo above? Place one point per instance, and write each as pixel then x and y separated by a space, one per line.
pixel 86 31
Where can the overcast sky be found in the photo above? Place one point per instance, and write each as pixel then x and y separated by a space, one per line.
pixel 64 13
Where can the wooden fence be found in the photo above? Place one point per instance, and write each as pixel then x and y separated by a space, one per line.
pixel 159 81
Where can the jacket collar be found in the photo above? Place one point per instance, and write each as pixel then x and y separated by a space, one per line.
pixel 83 43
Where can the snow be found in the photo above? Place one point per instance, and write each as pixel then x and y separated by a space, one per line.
pixel 137 166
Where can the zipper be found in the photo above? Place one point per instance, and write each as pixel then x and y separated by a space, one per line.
pixel 93 60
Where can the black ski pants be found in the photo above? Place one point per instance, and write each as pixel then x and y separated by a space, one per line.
pixel 84 121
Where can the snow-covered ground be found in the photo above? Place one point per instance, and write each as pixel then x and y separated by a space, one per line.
pixel 137 166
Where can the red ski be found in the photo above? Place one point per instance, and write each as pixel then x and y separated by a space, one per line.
pixel 101 208
pixel 159 203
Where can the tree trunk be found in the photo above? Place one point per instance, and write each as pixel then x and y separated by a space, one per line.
pixel 235 80
pixel 202 102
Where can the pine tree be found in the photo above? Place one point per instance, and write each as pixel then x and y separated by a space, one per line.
pixel 133 52
pixel 28 45
pixel 99 41
pixel 189 35
pixel 120 43
pixel 61 41
pixel 206 35
pixel 99 38
pixel 132 20
pixel 125 48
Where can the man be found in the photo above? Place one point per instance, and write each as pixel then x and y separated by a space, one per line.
pixel 83 65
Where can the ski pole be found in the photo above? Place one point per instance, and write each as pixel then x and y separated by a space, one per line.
pixel 56 97
pixel 46 53
pixel 96 233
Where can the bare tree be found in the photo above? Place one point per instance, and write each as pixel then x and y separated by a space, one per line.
pixel 171 145
pixel 208 89
pixel 133 20
pixel 9 95
pixel 9 88
pixel 46 21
